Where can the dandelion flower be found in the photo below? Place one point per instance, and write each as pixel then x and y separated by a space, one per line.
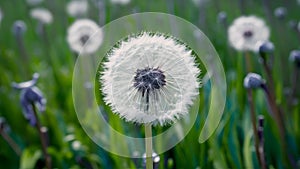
pixel 79 34
pixel 42 15
pixel 246 31
pixel 121 2
pixel 150 78
pixel 77 8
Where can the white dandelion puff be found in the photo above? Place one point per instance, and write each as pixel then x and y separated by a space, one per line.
pixel 43 15
pixel 79 36
pixel 150 78
pixel 77 8
pixel 246 31
pixel 121 2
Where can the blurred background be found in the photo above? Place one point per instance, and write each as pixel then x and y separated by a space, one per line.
pixel 35 41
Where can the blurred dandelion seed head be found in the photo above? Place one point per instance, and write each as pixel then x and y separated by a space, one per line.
pixel 121 2
pixel 246 31
pixel 43 15
pixel 77 8
pixel 150 78
pixel 80 36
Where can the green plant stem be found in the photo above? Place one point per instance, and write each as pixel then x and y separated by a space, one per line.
pixel 270 79
pixel 43 139
pixel 261 148
pixel 248 61
pixel 11 143
pixel 148 140
pixel 253 120
pixel 294 85
pixel 278 119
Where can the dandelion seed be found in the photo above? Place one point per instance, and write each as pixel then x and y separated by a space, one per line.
pixel 121 2
pixel 77 8
pixel 150 79
pixel 43 15
pixel 34 2
pixel 246 31
pixel 79 34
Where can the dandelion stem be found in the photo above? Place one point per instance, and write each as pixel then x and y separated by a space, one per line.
pixel 260 134
pixel 11 143
pixel 43 139
pixel 270 79
pixel 23 54
pixel 253 120
pixel 148 140
pixel 276 112
pixel 294 85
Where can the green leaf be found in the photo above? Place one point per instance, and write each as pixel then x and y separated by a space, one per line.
pixel 29 158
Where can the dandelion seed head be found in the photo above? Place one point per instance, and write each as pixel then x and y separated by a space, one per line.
pixel 121 2
pixel 246 31
pixel 79 36
pixel 43 15
pixel 150 78
pixel 253 81
pixel 77 8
